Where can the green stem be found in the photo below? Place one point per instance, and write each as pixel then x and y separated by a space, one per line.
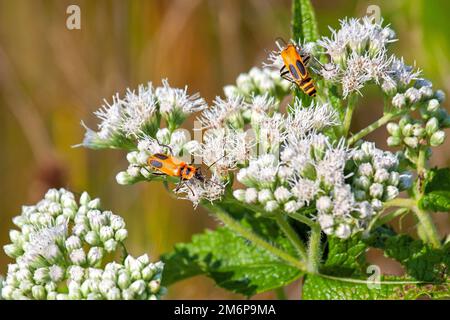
pixel 400 202
pixel 427 227
pixel 372 127
pixel 292 235
pixel 429 233
pixel 351 105
pixel 421 162
pixel 387 218
pixel 254 238
pixel 314 250
pixel 301 218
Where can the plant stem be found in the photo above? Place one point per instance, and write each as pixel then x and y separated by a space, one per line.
pixel 351 105
pixel 428 227
pixel 314 250
pixel 254 238
pixel 426 223
pixel 386 218
pixel 301 218
pixel 400 202
pixel 372 127
pixel 421 162
pixel 292 235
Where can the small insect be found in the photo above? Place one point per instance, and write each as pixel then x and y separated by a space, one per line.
pixel 168 165
pixel 295 64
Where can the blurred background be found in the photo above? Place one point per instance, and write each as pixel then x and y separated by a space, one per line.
pixel 52 77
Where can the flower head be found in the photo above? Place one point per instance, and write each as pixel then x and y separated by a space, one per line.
pixel 64 248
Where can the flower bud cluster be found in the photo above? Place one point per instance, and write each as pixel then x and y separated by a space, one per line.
pixel 258 82
pixel 376 177
pixel 60 250
pixel 426 131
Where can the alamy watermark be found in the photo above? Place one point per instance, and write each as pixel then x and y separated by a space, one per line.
pixel 73 21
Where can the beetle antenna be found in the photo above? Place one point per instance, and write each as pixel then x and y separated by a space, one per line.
pixel 165 146
pixel 216 161
pixel 279 39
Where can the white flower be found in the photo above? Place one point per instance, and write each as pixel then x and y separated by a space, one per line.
pixel 324 204
pixel 356 35
pixel 172 100
pixel 223 112
pixel 263 104
pixel 261 171
pixel 270 133
pixel 304 189
pixel 78 256
pixel 251 195
pixel 292 206
pixel 139 109
pixel 413 95
pixel 195 190
pixel 331 168
pixel 282 194
pixel 343 231
pixel 224 148
pixel 56 273
pixel 111 116
pixel 271 206
pixel 304 119
pixel 326 222
pixel 402 73
pixel 239 194
pixel 43 243
pixel 376 190
pixel 265 195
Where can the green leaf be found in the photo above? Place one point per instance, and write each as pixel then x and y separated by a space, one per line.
pixel 304 24
pixel 321 288
pixel 304 28
pixel 420 260
pixel 436 191
pixel 345 257
pixel 436 201
pixel 231 261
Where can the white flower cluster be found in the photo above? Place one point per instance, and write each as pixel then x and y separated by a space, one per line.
pixel 315 171
pixel 428 130
pixel 376 178
pixel 258 82
pixel 358 54
pixel 165 142
pixel 195 190
pixel 236 112
pixel 139 113
pixel 60 253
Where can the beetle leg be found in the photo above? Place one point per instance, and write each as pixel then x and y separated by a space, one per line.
pixel 288 79
pixel 180 184
pixel 305 59
pixel 284 73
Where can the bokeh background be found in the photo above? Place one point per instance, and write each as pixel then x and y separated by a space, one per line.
pixel 52 77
